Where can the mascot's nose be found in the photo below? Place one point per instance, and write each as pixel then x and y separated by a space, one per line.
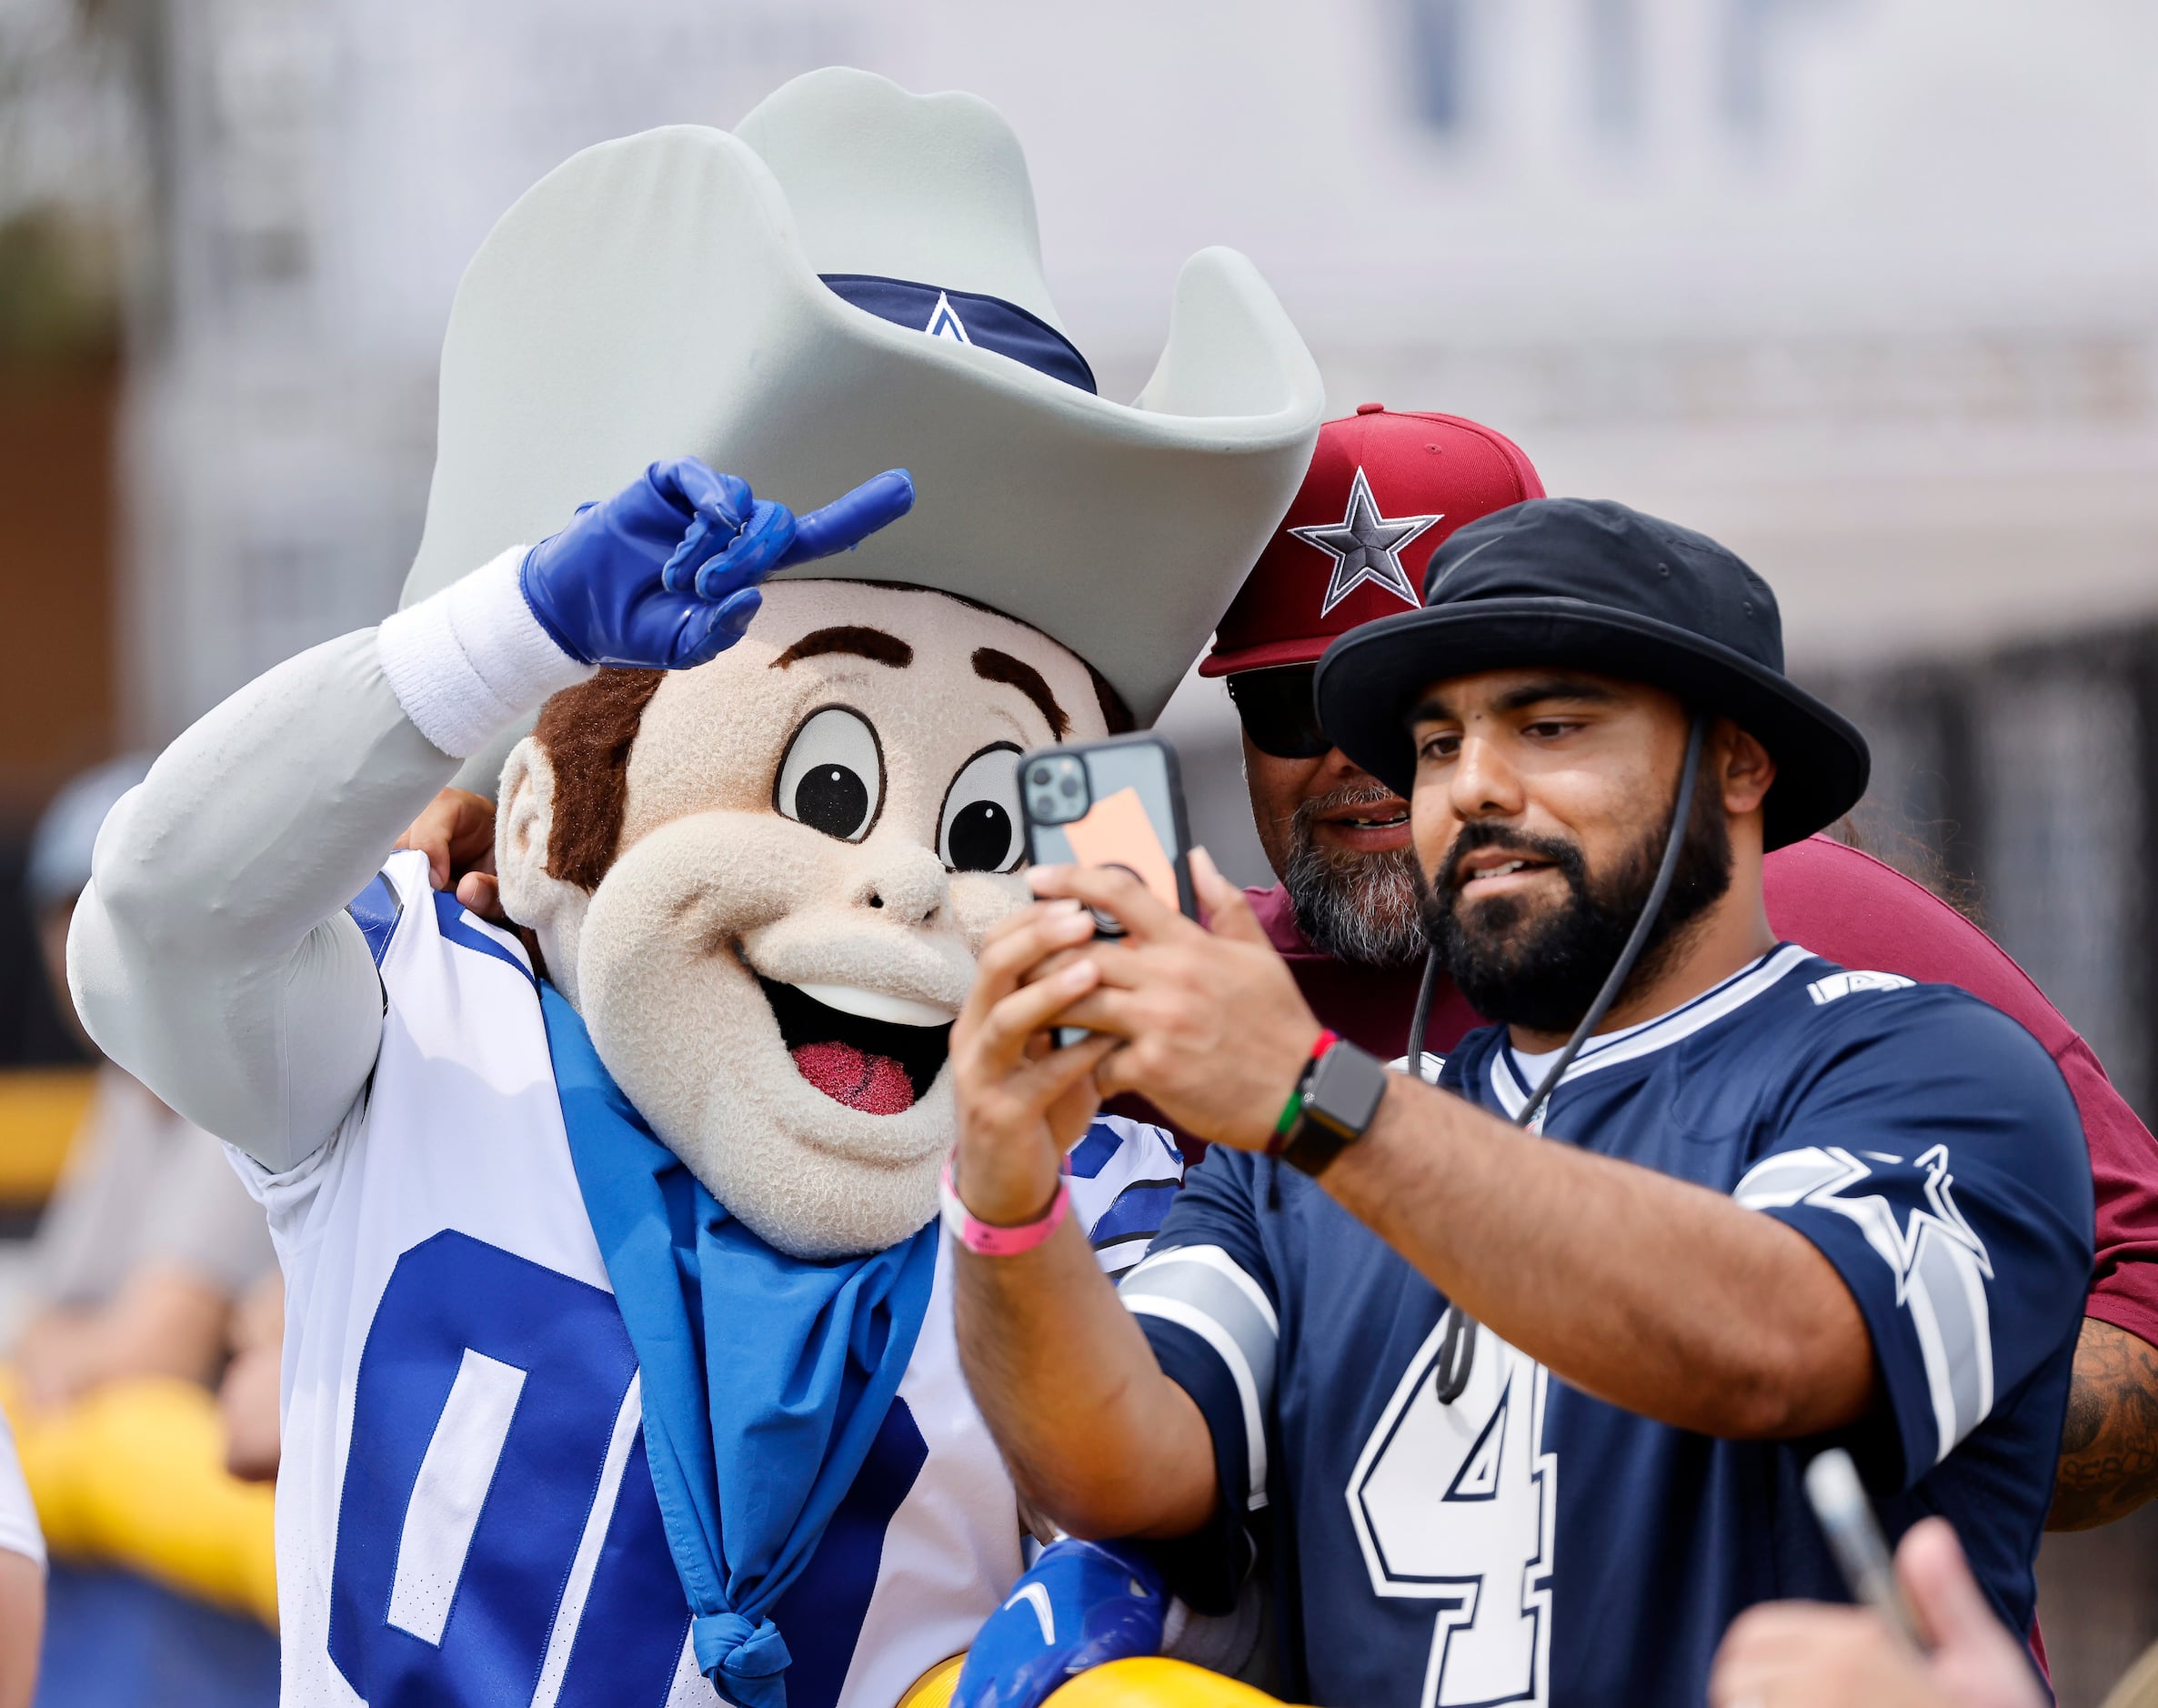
pixel 908 883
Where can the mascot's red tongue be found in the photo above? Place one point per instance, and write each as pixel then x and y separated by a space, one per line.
pixel 876 1084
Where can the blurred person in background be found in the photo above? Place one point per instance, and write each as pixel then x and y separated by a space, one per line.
pixel 247 1397
pixel 137 1270
pixel 1385 490
pixel 22 1582
pixel 150 1240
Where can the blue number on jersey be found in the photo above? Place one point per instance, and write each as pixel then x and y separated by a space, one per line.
pixel 490 1422
pixel 499 1383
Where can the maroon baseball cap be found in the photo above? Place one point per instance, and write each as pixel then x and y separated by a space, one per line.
pixel 1384 491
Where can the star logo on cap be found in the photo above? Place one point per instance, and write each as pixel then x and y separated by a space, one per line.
pixel 945 322
pixel 1365 547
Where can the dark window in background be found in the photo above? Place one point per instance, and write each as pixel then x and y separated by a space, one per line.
pixel 59 393
pixel 2023 784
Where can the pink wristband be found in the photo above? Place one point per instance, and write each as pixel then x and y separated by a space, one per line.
pixel 985 1241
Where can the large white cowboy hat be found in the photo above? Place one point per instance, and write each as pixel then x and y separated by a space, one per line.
pixel 689 291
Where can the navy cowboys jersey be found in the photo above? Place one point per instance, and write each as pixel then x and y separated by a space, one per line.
pixel 465 1513
pixel 1529 1543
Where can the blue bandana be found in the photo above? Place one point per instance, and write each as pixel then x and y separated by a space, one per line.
pixel 749 1469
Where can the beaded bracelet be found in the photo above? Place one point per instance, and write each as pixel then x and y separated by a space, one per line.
pixel 1292 1112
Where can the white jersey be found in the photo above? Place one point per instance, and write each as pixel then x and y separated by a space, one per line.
pixel 19 1532
pixel 465 1513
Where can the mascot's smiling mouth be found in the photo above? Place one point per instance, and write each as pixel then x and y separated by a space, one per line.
pixel 879 1067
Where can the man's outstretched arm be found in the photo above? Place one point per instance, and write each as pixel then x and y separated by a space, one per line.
pixel 1095 1435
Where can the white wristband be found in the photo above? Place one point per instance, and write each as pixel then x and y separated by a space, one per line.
pixel 473 658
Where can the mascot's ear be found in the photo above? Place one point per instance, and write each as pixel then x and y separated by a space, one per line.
pixel 531 895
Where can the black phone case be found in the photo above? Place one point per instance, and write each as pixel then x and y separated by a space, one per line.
pixel 1180 849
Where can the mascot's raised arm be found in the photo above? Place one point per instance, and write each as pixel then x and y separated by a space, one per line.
pixel 619 1363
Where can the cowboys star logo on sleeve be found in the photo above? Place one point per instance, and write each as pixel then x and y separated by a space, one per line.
pixel 1365 547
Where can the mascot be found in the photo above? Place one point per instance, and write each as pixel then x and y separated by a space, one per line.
pixel 618 1364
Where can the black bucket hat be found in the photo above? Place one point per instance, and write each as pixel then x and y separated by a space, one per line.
pixel 1595 586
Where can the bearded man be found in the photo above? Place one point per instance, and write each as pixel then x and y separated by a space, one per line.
pixel 1523 1416
pixel 1385 491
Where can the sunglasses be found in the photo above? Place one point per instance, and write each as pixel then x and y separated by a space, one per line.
pixel 1276 710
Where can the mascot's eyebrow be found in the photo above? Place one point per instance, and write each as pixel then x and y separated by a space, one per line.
pixel 867 643
pixel 992 665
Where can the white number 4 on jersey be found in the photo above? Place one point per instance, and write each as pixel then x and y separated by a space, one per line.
pixel 1454 1504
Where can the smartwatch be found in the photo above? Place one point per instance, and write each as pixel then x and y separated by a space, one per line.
pixel 1339 1096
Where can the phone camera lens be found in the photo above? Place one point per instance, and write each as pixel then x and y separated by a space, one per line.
pixel 1069 787
pixel 1041 776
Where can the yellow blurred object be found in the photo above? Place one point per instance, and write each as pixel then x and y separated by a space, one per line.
pixel 1152 1681
pixel 2138 1687
pixel 40 1110
pixel 933 1688
pixel 132 1474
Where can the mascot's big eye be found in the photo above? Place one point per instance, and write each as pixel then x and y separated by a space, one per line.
pixel 832 778
pixel 981 827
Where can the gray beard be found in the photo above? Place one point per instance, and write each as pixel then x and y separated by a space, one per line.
pixel 1357 907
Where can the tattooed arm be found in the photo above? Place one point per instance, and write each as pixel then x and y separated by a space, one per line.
pixel 2109 1446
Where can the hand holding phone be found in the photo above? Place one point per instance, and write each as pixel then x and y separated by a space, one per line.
pixel 1115 803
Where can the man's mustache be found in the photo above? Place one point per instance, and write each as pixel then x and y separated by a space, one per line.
pixel 1310 813
pixel 1474 838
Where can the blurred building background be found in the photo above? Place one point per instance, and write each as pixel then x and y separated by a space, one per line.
pixel 1867 288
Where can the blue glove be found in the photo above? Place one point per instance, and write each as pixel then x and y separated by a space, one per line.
pixel 1084 1604
pixel 663 576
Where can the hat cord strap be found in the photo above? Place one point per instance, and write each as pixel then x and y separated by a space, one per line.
pixel 1457 1350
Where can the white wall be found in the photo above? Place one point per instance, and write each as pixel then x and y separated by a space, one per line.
pixel 1865 286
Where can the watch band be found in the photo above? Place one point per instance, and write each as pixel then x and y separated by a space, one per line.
pixel 1341 1095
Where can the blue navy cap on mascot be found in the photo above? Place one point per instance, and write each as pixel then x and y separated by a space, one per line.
pixel 1598 586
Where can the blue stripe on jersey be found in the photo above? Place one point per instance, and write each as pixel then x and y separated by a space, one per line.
pixel 450 1301
pixel 1091 1154
pixel 452 1297
pixel 450 920
pixel 646 1618
pixel 1139 1209
pixel 1206 1567
pixel 1088 1158
pixel 376 911
pixel 822 1611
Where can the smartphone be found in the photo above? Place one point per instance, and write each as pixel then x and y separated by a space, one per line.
pixel 1117 802
pixel 1839 1503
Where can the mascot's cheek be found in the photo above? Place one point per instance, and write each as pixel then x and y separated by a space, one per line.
pixel 980 900
pixel 687 1032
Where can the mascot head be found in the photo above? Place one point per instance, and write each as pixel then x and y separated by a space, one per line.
pixel 763 882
